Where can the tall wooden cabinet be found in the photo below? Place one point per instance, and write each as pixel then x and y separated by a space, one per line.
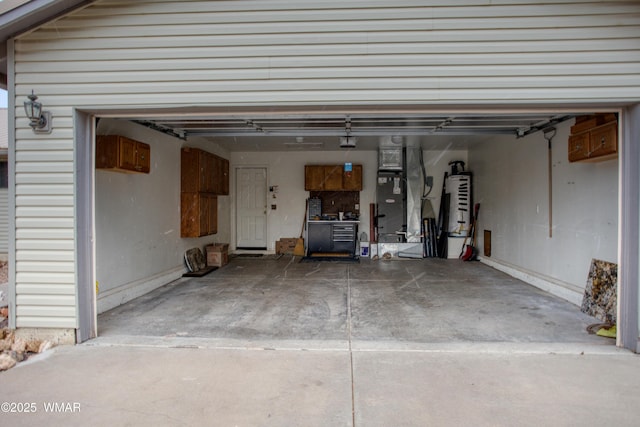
pixel 203 177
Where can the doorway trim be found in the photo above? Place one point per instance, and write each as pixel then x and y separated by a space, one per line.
pixel 84 136
pixel 629 247
pixel 629 229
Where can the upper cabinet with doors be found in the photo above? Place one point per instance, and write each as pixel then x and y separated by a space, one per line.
pixel 352 180
pixel 594 138
pixel 122 154
pixel 332 178
pixel 204 172
pixel 313 177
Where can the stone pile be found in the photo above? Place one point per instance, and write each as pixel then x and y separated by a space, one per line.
pixel 14 350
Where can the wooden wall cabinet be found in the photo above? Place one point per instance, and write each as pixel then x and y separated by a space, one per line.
pixel 313 178
pixel 603 142
pixel 593 144
pixel 203 172
pixel 203 177
pixel 122 154
pixel 579 147
pixel 199 214
pixel 332 178
pixel 352 181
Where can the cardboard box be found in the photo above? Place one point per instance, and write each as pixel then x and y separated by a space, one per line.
pixel 286 245
pixel 217 254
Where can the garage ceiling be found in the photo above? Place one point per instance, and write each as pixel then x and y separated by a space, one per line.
pixel 365 131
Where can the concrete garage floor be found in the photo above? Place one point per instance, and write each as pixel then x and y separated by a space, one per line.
pixel 278 343
pixel 397 303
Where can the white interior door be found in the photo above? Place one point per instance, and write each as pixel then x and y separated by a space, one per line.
pixel 251 209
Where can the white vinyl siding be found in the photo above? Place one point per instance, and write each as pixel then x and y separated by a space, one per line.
pixel 326 52
pixel 171 54
pixel 44 220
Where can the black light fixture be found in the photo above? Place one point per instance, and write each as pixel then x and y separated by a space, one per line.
pixel 40 121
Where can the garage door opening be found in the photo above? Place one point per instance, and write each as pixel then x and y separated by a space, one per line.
pixel 138 247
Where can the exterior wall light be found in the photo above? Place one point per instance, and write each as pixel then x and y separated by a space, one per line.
pixel 40 121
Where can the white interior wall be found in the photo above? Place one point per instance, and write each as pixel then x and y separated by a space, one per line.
pixel 137 219
pixel 511 178
pixel 286 170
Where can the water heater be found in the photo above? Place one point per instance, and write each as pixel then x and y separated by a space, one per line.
pixel 459 189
